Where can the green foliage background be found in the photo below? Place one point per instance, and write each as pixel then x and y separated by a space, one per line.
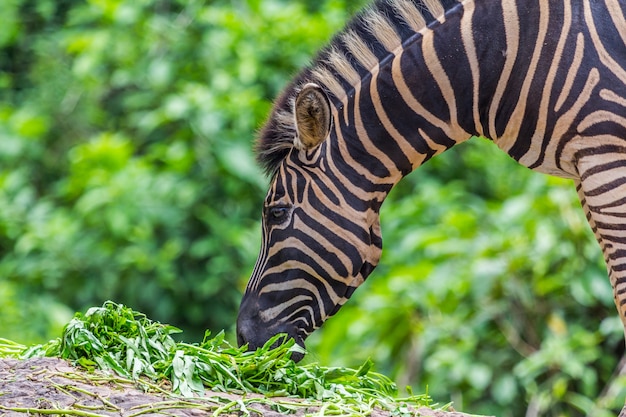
pixel 126 173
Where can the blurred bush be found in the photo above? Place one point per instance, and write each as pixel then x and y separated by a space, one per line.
pixel 126 170
pixel 126 173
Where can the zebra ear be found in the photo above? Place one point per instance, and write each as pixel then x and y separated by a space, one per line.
pixel 312 113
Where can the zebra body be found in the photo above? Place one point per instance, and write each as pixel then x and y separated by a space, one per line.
pixel 405 81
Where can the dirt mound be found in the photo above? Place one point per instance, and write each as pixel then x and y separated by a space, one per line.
pixel 53 386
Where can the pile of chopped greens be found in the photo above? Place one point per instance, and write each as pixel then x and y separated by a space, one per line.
pixel 114 337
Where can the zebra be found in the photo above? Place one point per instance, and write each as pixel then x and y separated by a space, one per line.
pixel 405 80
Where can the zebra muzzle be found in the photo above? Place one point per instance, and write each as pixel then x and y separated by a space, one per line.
pixel 251 330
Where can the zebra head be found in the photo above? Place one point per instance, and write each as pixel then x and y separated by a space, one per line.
pixel 321 234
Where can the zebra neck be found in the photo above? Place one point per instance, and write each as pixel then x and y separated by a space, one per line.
pixel 487 68
pixel 397 109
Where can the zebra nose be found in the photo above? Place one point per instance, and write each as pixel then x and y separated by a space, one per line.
pixel 247 323
pixel 241 339
pixel 247 333
pixel 251 330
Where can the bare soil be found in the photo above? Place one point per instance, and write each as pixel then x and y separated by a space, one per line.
pixel 50 386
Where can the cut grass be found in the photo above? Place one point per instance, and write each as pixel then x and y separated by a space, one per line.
pixel 114 337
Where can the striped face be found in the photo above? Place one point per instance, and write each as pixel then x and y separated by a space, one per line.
pixel 319 241
pixel 408 79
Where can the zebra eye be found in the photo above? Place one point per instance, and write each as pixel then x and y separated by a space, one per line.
pixel 277 214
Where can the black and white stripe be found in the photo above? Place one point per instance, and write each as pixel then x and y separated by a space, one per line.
pixel 406 80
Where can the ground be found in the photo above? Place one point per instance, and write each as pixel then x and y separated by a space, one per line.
pixel 50 386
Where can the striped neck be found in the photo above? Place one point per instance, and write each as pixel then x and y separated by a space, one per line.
pixel 394 102
pixel 408 79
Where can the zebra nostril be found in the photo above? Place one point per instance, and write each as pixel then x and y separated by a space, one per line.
pixel 247 334
pixel 243 334
pixel 240 339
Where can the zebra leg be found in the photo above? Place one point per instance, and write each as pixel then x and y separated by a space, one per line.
pixel 602 192
pixel 606 225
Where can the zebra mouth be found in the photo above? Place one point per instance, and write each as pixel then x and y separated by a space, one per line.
pixel 297 356
pixel 298 350
pixel 256 335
